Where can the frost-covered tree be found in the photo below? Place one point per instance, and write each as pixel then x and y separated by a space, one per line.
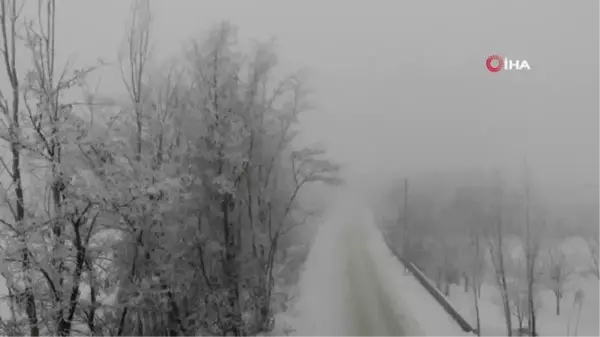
pixel 166 210
pixel 557 272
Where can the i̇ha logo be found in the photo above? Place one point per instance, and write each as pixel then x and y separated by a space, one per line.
pixel 495 63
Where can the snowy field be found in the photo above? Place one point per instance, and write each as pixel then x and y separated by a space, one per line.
pixel 548 323
pixel 353 285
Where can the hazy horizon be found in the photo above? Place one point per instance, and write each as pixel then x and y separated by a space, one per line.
pixel 401 87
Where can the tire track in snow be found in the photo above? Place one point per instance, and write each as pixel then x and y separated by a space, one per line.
pixel 373 312
pixel 354 286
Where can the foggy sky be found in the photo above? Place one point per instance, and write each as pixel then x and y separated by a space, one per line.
pixel 401 86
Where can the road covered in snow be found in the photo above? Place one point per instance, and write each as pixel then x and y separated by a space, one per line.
pixel 353 285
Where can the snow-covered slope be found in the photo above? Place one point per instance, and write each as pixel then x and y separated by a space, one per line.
pixel 353 285
pixel 548 322
pixel 405 291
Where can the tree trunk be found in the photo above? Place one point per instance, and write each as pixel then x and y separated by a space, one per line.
pixel 531 254
pixel 233 315
pixel 577 322
pixel 501 280
pixel 9 32
pixel 502 271
pixel 557 304
pixel 520 322
pixel 466 278
pixel 476 303
pixel 530 299
pixel 507 317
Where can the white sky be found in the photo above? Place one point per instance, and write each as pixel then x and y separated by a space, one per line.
pixel 401 85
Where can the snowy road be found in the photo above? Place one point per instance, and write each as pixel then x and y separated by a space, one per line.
pixel 373 313
pixel 353 285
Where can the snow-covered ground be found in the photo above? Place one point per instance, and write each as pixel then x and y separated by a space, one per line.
pixel 353 285
pixel 548 323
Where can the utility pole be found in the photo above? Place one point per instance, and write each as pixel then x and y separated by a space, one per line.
pixel 405 249
pixel 531 251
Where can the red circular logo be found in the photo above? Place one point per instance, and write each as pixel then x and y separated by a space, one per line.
pixel 494 63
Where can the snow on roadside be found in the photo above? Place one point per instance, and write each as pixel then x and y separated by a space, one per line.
pixel 323 308
pixel 407 293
